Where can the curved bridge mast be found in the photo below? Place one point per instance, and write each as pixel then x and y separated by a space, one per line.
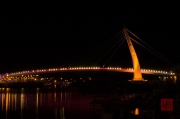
pixel 136 65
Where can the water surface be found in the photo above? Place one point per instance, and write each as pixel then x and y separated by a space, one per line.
pixel 44 103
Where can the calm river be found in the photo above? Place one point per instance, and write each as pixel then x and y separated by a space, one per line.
pixel 44 103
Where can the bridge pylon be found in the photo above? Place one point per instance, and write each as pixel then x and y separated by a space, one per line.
pixel 136 65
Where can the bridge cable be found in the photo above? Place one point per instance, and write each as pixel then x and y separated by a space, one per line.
pixel 114 52
pixel 103 49
pixel 146 44
pixel 96 47
pixel 146 48
pixel 110 50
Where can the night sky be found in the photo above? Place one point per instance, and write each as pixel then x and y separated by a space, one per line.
pixel 39 34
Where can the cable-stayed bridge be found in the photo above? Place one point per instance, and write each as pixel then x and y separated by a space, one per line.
pixel 136 70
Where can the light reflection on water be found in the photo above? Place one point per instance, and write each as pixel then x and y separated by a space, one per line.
pixel 52 103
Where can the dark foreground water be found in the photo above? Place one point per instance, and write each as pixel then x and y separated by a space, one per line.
pixel 44 103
